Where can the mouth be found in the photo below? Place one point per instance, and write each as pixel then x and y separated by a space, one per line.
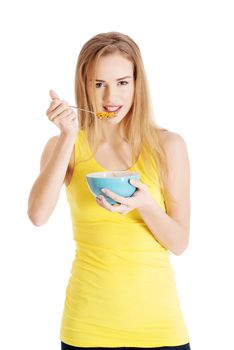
pixel 114 109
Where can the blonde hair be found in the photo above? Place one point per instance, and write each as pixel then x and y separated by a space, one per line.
pixel 142 133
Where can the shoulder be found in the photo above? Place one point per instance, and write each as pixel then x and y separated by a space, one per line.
pixel 173 143
pixel 177 158
pixel 169 136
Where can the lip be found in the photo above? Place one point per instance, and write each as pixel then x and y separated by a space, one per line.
pixel 113 106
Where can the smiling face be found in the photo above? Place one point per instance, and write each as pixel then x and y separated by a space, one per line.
pixel 114 86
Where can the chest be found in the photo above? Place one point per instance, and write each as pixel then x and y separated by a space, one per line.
pixel 111 158
pixel 116 157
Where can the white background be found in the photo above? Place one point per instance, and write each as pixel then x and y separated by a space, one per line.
pixel 187 48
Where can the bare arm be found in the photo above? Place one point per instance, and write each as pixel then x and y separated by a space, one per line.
pixel 54 162
pixel 47 187
pixel 171 229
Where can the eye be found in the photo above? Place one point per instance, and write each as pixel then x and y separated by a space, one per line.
pixel 98 85
pixel 123 82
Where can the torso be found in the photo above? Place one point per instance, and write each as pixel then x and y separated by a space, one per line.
pixel 120 157
pixel 113 157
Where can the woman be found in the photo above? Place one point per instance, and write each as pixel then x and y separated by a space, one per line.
pixel 121 292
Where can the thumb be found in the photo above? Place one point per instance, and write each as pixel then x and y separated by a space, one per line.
pixel 53 94
pixel 138 184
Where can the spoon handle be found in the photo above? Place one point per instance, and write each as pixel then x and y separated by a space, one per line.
pixel 81 109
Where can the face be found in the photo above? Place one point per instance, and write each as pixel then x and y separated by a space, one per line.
pixel 114 86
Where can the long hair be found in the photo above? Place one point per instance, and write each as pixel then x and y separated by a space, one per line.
pixel 140 128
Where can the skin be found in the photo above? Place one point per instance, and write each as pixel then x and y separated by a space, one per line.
pixel 171 229
pixel 110 91
pixel 138 200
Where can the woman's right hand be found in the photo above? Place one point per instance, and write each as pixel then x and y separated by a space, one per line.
pixel 63 116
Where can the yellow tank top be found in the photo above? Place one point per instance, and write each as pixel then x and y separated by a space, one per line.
pixel 121 291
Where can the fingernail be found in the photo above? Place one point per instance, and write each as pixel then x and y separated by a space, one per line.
pixel 104 190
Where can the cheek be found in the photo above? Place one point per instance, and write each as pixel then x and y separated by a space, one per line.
pixel 99 98
pixel 130 96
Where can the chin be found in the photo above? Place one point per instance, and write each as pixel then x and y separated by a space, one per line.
pixel 117 119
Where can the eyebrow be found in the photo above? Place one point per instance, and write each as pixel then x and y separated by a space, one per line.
pixel 103 81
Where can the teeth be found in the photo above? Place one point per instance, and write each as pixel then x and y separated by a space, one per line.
pixel 112 109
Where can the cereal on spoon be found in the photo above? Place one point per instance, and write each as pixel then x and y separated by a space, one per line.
pixel 105 115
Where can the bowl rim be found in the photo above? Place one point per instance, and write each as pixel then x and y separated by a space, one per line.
pixel 127 173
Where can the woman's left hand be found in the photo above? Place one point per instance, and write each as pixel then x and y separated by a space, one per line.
pixel 140 198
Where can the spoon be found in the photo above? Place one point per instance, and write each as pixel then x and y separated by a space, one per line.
pixel 100 115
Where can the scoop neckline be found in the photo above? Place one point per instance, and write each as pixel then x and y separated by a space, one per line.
pixel 100 166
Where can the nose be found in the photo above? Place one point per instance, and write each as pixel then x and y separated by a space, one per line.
pixel 110 94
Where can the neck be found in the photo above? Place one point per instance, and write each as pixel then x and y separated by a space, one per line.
pixel 112 134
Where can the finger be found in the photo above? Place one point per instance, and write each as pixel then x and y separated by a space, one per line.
pixel 138 184
pixel 58 105
pixel 64 114
pixel 116 208
pixel 53 105
pixel 124 209
pixel 58 110
pixel 99 201
pixel 107 205
pixel 53 95
pixel 115 196
pixel 103 203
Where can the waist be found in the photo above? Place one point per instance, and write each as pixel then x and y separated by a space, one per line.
pixel 132 236
pixel 112 278
pixel 108 264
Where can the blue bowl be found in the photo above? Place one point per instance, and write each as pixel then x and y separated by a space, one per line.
pixel 115 181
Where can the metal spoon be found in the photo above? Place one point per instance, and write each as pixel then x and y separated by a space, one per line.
pixel 81 109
